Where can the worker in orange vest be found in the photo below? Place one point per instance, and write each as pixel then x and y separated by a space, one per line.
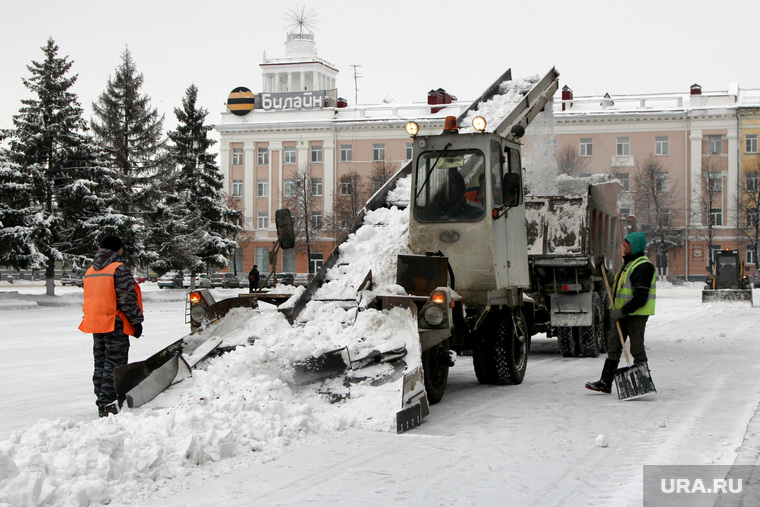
pixel 112 312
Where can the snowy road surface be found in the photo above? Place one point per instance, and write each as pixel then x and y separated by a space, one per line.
pixel 533 444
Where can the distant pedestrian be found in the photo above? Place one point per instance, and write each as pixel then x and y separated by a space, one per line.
pixel 253 278
pixel 112 312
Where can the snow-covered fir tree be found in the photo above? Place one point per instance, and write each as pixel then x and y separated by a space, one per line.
pixel 130 132
pixel 50 179
pixel 192 228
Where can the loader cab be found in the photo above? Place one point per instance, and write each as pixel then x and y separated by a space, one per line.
pixel 467 202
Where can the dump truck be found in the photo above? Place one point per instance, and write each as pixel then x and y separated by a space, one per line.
pixel 727 280
pixel 572 236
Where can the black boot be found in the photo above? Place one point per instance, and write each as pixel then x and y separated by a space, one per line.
pixel 604 384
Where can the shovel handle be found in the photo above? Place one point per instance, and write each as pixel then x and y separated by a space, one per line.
pixel 617 324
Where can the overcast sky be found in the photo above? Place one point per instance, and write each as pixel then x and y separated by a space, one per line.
pixel 404 47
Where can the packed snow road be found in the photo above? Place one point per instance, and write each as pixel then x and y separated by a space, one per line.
pixel 533 444
pixel 536 444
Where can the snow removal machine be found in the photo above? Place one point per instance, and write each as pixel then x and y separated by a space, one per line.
pixel 727 280
pixel 468 273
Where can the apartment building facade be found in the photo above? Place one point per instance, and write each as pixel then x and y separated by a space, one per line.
pixel 703 145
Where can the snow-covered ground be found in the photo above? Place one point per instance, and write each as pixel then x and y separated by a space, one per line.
pixel 235 434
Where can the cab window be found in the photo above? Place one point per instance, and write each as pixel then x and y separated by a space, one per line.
pixel 449 186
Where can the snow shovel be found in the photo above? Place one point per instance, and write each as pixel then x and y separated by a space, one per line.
pixel 632 381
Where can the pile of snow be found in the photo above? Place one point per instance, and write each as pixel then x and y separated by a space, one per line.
pixel 242 402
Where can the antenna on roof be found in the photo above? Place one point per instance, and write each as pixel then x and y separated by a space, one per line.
pixel 356 84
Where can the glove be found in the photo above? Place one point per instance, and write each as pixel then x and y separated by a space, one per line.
pixel 616 315
pixel 138 330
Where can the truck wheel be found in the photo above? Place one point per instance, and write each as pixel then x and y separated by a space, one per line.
pixel 591 339
pixel 566 339
pixel 500 353
pixel 435 365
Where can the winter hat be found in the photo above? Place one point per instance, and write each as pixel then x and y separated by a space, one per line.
pixel 638 242
pixel 111 243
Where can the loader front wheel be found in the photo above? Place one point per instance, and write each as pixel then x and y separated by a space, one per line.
pixel 435 365
pixel 500 353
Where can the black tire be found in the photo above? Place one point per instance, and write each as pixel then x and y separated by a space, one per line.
pixel 435 366
pixel 500 352
pixel 591 339
pixel 567 341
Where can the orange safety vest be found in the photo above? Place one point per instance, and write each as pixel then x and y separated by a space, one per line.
pixel 99 306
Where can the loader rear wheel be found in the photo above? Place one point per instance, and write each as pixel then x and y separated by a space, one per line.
pixel 500 353
pixel 435 365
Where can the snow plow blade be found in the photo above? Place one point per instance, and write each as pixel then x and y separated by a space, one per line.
pixel 634 381
pixel 414 404
pixel 141 381
pixel 710 295
pixel 128 376
pixel 338 362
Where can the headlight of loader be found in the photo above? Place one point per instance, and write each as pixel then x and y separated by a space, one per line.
pixel 433 315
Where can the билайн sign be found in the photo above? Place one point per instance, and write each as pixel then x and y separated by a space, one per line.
pixel 291 100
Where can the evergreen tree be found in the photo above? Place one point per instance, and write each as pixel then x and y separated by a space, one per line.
pixel 49 176
pixel 193 227
pixel 130 132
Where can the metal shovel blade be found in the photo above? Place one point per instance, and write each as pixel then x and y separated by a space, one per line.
pixel 329 364
pixel 634 381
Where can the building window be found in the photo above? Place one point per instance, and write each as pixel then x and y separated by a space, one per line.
pixel 378 152
pixel 663 182
pixel 345 185
pixel 316 187
pixel 289 188
pixel 237 188
pixel 408 151
pixel 263 220
pixel 316 153
pixel 262 188
pixel 346 153
pixel 289 155
pixel 716 144
pixel 586 147
pixel 316 219
pixel 750 181
pixel 625 179
pixel 715 180
pixel 237 156
pixel 750 143
pixel 623 146
pixel 261 257
pixel 752 218
pixel 315 262
pixel 263 156
pixel 661 148
pixel 716 216
pixel 751 259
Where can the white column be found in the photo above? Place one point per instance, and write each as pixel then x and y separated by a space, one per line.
pixel 224 164
pixel 328 160
pixel 302 84
pixel 249 186
pixel 277 147
pixel 733 179
pixel 290 82
pixel 695 140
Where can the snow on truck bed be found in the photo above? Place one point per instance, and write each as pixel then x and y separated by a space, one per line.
pixel 244 400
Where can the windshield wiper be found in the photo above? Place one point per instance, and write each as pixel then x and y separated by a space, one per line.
pixel 427 176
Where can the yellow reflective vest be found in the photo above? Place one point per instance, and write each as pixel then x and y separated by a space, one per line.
pixel 624 289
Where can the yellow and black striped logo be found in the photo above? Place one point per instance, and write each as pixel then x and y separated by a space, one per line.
pixel 240 101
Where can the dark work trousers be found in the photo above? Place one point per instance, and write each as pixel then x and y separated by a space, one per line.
pixel 109 350
pixel 633 327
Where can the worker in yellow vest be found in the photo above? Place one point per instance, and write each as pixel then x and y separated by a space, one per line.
pixel 634 296
pixel 112 312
